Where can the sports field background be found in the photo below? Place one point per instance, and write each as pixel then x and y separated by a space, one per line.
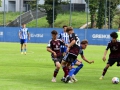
pixel 34 71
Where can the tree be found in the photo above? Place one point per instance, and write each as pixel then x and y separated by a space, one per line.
pixel 49 11
pixel 111 8
pixel 0 3
pixel 101 14
pixel 93 6
pixel 33 4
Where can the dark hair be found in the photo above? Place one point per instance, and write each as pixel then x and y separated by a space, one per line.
pixel 69 29
pixel 84 42
pixel 54 32
pixel 23 23
pixel 114 35
pixel 64 26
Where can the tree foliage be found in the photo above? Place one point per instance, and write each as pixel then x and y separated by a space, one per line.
pixel 49 10
pixel 93 6
pixel 101 14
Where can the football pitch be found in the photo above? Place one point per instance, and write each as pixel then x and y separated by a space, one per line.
pixel 34 71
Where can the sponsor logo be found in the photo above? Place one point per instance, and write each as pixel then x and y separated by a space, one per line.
pixel 100 36
pixel 1 33
pixel 37 35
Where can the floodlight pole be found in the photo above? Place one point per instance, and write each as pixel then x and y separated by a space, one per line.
pixel 20 13
pixel 70 21
pixel 4 18
pixel 105 13
pixel 36 13
pixel 53 12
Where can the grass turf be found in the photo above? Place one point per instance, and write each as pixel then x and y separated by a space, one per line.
pixel 34 71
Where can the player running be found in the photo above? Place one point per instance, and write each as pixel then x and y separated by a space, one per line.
pixel 23 35
pixel 114 55
pixel 65 38
pixel 54 48
pixel 79 63
pixel 72 52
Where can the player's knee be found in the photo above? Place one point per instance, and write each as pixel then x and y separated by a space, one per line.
pixel 81 65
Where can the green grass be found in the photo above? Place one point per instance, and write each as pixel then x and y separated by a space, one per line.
pixel 77 20
pixel 9 16
pixel 34 71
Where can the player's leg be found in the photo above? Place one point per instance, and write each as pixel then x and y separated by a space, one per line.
pixel 77 69
pixel 25 45
pixel 109 63
pixel 64 64
pixel 58 65
pixel 71 59
pixel 21 42
pixel 104 71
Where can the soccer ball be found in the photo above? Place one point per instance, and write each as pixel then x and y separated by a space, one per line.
pixel 115 80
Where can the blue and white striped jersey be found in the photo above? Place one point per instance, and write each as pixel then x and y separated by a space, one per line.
pixel 64 37
pixel 23 33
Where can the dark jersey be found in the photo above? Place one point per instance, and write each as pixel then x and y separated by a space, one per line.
pixel 55 46
pixel 75 48
pixel 81 51
pixel 114 49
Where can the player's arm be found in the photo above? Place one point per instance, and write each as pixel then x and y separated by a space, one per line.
pixel 19 34
pixel 28 35
pixel 104 56
pixel 105 53
pixel 86 60
pixel 50 50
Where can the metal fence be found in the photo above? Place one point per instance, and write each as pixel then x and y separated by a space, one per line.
pixel 13 15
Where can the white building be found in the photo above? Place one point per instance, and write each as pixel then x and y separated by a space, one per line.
pixel 15 5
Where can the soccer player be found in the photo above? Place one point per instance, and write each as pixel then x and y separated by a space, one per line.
pixel 54 48
pixel 72 52
pixel 74 71
pixel 23 35
pixel 65 38
pixel 118 38
pixel 114 55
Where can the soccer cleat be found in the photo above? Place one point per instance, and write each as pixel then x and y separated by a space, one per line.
pixel 21 52
pixel 67 79
pixel 25 53
pixel 63 79
pixel 74 79
pixel 101 78
pixel 53 79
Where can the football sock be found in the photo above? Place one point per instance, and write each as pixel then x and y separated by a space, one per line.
pixel 65 69
pixel 78 68
pixel 21 50
pixel 24 49
pixel 55 72
pixel 104 71
pixel 71 72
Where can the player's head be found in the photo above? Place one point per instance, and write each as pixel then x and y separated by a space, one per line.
pixel 114 36
pixel 23 25
pixel 84 44
pixel 69 30
pixel 54 34
pixel 64 28
pixel 119 28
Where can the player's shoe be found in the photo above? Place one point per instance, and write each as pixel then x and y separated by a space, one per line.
pixel 21 52
pixel 63 79
pixel 67 79
pixel 101 78
pixel 25 53
pixel 53 79
pixel 74 79
pixel 71 80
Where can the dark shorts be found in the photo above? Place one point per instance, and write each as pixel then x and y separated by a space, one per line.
pixel 63 49
pixel 112 61
pixel 58 59
pixel 22 41
pixel 69 58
